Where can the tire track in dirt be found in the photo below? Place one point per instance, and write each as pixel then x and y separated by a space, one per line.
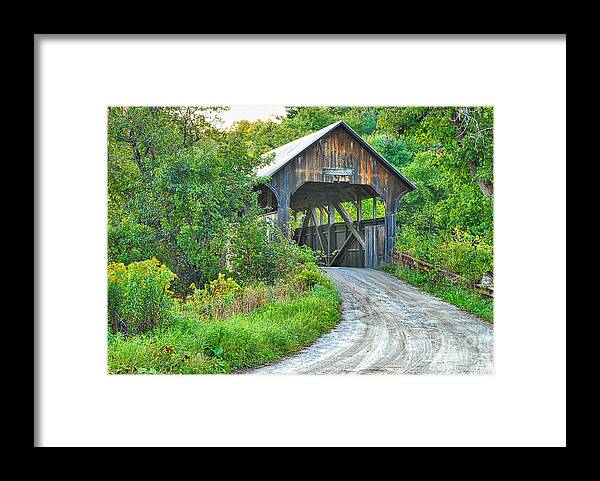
pixel 391 327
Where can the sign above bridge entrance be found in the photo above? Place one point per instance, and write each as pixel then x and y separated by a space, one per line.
pixel 338 171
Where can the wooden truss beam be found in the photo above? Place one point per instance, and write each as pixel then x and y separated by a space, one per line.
pixel 304 226
pixel 349 223
pixel 315 217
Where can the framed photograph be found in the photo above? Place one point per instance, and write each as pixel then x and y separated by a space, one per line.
pixel 242 234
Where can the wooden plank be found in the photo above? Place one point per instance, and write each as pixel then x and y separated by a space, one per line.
pixel 349 223
pixel 332 237
pixel 304 225
pixel 369 254
pixel 341 251
pixel 375 258
pixel 359 228
pixel 313 213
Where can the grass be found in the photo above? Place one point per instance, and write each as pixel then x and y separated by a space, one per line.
pixel 462 297
pixel 192 344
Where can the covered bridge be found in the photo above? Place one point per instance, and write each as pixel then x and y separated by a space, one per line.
pixel 315 175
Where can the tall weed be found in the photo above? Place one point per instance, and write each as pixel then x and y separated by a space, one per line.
pixel 138 295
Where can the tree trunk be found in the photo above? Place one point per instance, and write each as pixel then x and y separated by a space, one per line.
pixel 487 188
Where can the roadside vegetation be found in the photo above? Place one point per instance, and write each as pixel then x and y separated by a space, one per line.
pixel 220 328
pixel 460 295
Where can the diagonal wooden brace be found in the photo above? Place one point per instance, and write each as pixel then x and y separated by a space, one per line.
pixel 304 226
pixel 340 252
pixel 349 223
pixel 315 217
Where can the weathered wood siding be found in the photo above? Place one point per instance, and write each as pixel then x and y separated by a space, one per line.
pixel 354 255
pixel 375 240
pixel 340 150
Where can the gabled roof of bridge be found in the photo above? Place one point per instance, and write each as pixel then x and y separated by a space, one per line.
pixel 282 155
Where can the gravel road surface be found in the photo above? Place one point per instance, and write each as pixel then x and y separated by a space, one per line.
pixel 391 327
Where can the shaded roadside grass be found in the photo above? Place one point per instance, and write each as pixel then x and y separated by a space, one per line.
pixel 190 344
pixel 460 296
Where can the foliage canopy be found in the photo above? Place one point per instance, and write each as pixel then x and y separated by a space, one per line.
pixel 177 184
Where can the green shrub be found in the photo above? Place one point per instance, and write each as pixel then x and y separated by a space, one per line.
pixel 220 288
pixel 216 295
pixel 467 255
pixel 130 242
pixel 309 276
pixel 471 256
pixel 224 297
pixel 138 295
pixel 259 252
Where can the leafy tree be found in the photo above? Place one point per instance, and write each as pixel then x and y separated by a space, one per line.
pixel 264 135
pixel 260 136
pixel 452 167
pixel 399 152
pixel 461 137
pixel 310 119
pixel 185 183
pixel 261 253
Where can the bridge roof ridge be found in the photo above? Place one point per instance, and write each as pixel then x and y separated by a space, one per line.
pixel 285 153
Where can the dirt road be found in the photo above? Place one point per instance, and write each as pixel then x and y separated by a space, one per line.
pixel 390 327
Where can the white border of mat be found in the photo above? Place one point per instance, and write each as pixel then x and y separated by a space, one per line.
pixel 522 404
